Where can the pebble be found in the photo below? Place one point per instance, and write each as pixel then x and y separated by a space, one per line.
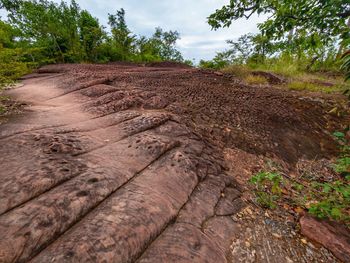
pixel 277 235
pixel 288 260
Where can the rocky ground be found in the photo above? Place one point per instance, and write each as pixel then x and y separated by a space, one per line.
pixel 127 163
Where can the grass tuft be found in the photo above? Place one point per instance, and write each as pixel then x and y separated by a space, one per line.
pixel 313 87
pixel 256 80
pixel 239 71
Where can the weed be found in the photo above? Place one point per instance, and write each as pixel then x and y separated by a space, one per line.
pixel 2 109
pixel 266 200
pixel 332 200
pixel 342 166
pixel 268 188
pixel 298 187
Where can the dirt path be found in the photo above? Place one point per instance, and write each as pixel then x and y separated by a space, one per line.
pixel 109 165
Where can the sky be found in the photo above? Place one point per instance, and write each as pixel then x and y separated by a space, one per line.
pixel 188 17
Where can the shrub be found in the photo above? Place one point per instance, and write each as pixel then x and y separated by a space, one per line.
pixel 10 72
pixel 212 64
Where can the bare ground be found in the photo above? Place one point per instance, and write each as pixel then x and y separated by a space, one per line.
pixel 123 163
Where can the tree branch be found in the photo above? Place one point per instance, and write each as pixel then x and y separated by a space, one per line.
pixel 344 14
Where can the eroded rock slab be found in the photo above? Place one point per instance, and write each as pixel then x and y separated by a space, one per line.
pixel 117 164
pixel 333 236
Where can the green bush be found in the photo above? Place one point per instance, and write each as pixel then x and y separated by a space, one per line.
pixel 13 65
pixel 10 72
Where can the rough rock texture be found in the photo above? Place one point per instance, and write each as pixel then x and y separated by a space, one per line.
pixel 333 236
pixel 123 163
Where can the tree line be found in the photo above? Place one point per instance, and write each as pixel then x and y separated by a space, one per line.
pixel 41 31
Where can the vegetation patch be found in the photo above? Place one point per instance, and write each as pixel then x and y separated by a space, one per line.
pixel 268 188
pixel 239 71
pixel 323 199
pixel 300 85
pixel 9 73
pixel 256 80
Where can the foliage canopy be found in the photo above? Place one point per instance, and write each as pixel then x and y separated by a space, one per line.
pixel 326 18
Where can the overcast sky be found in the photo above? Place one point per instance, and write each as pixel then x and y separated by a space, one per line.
pixel 188 17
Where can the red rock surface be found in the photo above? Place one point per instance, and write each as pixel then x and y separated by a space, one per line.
pixel 124 163
pixel 331 235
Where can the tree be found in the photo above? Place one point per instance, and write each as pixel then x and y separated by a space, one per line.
pixel 7 35
pixel 47 24
pixel 263 47
pixel 124 40
pixel 241 49
pixel 10 4
pixel 326 18
pixel 164 43
pixel 91 35
pixel 305 31
pixel 48 32
pixel 220 61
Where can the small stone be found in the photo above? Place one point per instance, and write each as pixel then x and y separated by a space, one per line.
pixel 277 235
pixel 249 211
pixel 289 260
pixel 311 245
pixel 303 240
